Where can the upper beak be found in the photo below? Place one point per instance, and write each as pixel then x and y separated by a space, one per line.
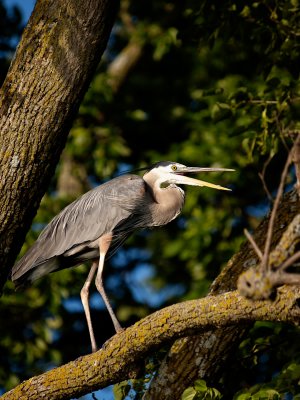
pixel 185 180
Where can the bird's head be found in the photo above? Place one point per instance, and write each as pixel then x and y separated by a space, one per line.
pixel 166 173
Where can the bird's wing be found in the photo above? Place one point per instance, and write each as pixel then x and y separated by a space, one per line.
pixel 95 213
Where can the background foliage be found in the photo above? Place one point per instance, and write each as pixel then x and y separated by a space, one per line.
pixel 212 84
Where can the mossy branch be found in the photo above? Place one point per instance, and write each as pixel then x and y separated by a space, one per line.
pixel 115 361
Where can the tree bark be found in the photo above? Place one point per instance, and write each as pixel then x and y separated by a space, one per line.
pixel 206 355
pixel 113 363
pixel 59 51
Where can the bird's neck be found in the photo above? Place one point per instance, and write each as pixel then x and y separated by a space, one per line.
pixel 168 200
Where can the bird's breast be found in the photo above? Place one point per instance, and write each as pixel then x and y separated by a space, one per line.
pixel 168 205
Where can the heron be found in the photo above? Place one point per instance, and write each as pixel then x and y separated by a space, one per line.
pixel 103 218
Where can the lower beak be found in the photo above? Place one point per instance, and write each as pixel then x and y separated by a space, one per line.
pixel 185 180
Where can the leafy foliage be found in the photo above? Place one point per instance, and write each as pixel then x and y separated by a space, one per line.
pixel 269 358
pixel 200 391
pixel 216 84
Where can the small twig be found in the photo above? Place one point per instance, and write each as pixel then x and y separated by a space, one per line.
pixel 262 178
pixel 296 160
pixel 253 244
pixel 257 101
pixel 282 131
pixel 290 261
pixel 286 278
pixel 265 259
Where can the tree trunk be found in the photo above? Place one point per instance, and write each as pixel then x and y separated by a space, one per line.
pixel 59 51
pixel 205 356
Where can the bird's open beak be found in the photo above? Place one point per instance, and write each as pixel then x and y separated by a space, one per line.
pixel 185 180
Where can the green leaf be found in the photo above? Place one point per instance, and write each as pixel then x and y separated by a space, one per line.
pixel 266 394
pixel 221 111
pixel 243 396
pixel 189 394
pixel 200 385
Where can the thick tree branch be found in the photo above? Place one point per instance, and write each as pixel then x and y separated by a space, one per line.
pixel 112 363
pixel 59 51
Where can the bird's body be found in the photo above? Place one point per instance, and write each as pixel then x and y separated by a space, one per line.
pixel 71 238
pixel 103 218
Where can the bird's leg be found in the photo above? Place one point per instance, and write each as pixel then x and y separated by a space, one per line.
pixel 104 243
pixel 84 294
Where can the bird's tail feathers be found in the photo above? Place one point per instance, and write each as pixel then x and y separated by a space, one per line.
pixel 31 267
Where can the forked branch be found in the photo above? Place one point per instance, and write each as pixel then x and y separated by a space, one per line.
pixel 260 283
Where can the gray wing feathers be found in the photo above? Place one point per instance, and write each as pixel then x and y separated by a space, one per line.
pixel 95 213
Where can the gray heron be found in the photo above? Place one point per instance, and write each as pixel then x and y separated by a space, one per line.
pixel 103 218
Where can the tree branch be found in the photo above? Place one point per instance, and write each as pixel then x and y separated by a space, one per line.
pixel 112 363
pixel 121 66
pixel 296 160
pixel 260 283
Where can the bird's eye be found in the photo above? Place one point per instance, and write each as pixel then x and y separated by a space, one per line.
pixel 174 167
